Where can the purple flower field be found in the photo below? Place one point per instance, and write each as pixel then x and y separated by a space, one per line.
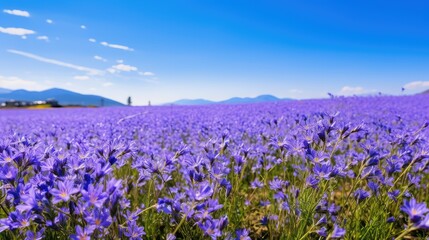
pixel 351 168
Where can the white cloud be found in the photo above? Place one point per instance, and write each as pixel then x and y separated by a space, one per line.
pixel 17 12
pixel 417 85
pixel 117 46
pixel 348 91
pixel 146 73
pixel 92 40
pixel 111 70
pixel 124 68
pixel 18 83
pixel 17 31
pixel 24 37
pixel 49 21
pixel 120 61
pixel 43 38
pixel 83 26
pixel 81 78
pixel 100 58
pixel 107 84
pixel 90 71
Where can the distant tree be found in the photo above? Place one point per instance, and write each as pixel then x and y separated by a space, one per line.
pixel 149 104
pixel 129 102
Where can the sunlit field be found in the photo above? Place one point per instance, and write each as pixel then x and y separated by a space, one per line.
pixel 352 168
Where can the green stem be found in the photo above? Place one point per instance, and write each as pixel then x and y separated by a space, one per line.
pixel 180 224
pixel 404 233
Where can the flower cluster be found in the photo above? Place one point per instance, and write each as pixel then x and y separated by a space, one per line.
pixel 354 168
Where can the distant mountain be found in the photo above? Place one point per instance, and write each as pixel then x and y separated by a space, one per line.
pixel 64 97
pixel 234 100
pixel 425 92
pixel 4 90
pixel 193 102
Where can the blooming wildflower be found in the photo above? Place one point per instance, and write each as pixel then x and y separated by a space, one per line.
pixel 210 228
pixel 374 187
pixel 361 195
pixel 414 210
pixel 82 233
pixel 64 191
pixel 30 235
pixel 322 232
pixel 204 192
pixel 99 218
pixel 325 171
pixel 337 232
pixel 134 232
pixel 276 184
pixel 94 195
pixel 242 234
pixel 256 184
pixel 393 195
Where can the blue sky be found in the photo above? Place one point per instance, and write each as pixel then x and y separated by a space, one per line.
pixel 167 50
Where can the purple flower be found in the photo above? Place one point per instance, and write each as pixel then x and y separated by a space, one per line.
pixel 82 233
pixel 205 191
pixel 30 235
pixel 276 184
pixel 361 195
pixel 134 232
pixel 322 232
pixel 211 228
pixel 94 196
pixel 242 234
pixel 256 184
pixel 390 219
pixel 414 210
pixel 99 218
pixel 393 195
pixel 337 232
pixel 64 191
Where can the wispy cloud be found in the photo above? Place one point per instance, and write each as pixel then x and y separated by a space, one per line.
pixel 417 85
pixel 81 78
pixel 17 31
pixel 90 71
pixel 100 58
pixel 148 74
pixel 17 12
pixel 18 83
pixel 117 46
pixel 43 38
pixel 107 84
pixel 92 40
pixel 348 91
pixel 122 68
pixel 82 26
pixel 49 21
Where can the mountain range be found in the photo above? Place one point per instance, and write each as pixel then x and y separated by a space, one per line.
pixel 234 100
pixel 64 97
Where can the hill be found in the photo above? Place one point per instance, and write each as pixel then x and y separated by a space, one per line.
pixel 234 100
pixel 64 97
